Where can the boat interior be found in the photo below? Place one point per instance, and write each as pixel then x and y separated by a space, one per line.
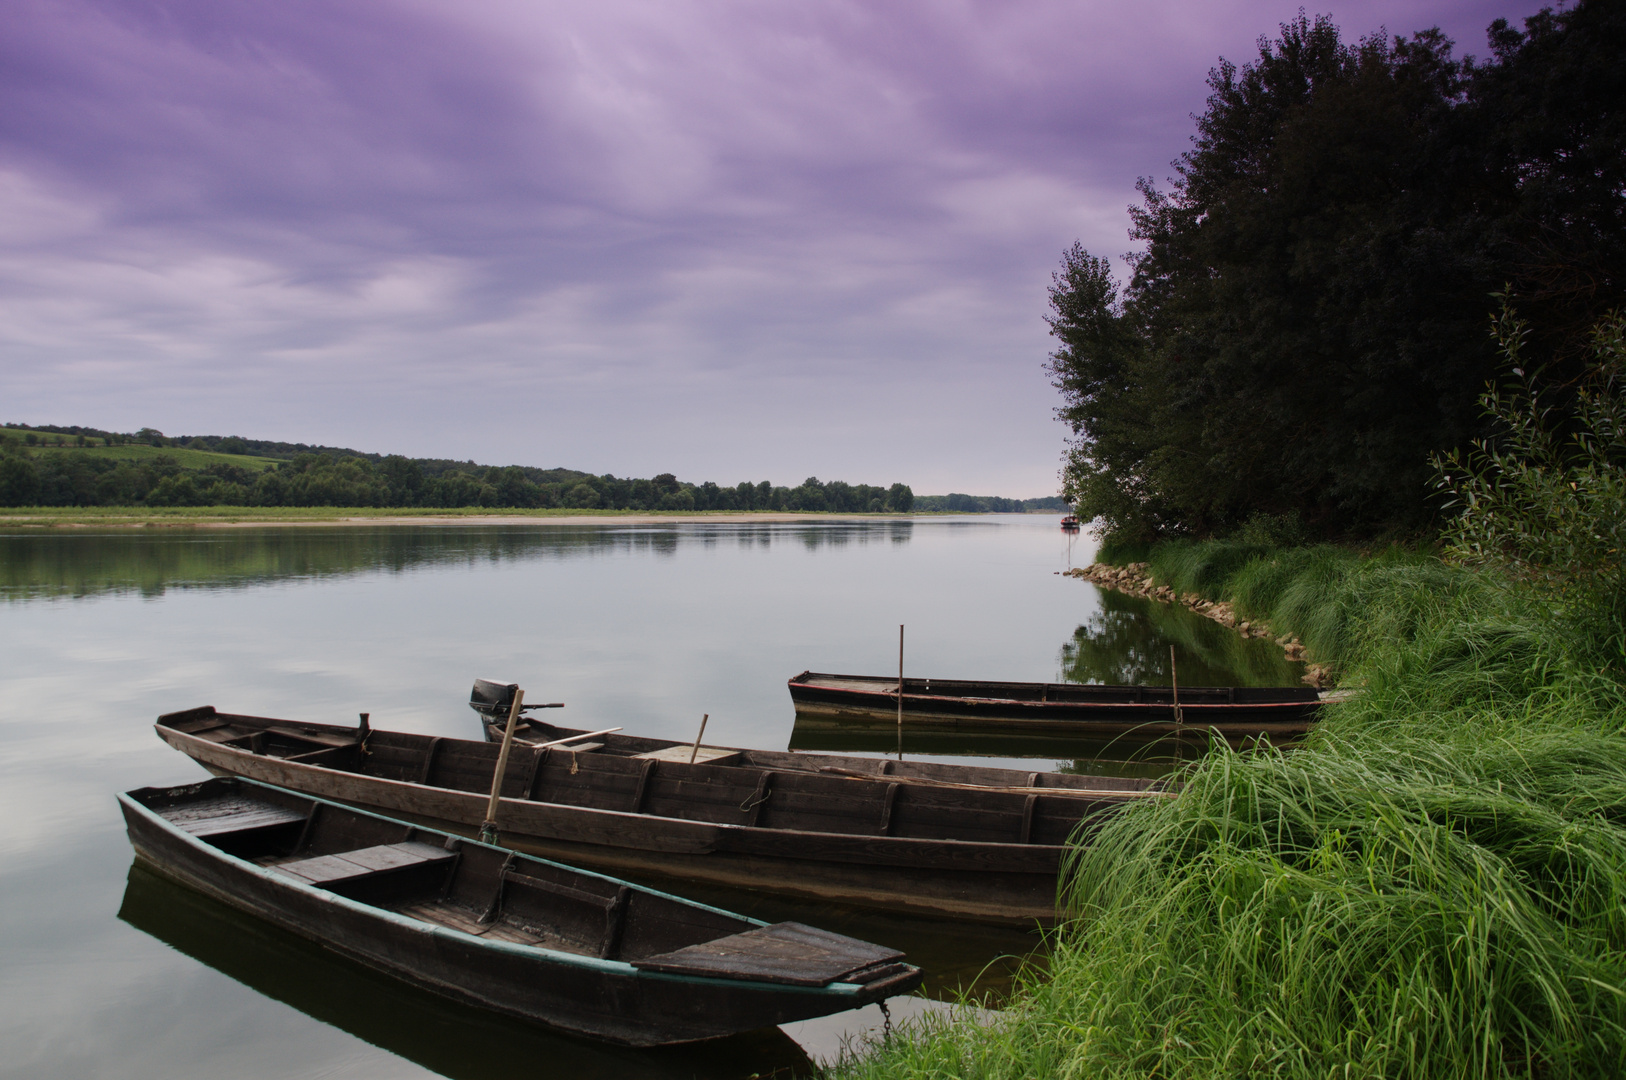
pixel 500 895
pixel 783 790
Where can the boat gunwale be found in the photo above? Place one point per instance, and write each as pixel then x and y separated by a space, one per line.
pixel 798 682
pixel 903 845
pixel 534 953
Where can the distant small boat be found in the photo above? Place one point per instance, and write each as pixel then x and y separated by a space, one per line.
pixel 479 924
pixel 1132 713
pixel 1069 524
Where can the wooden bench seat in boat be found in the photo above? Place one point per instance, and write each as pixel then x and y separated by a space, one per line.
pixel 496 929
pixel 708 755
pixel 330 870
pixel 229 814
pixel 789 952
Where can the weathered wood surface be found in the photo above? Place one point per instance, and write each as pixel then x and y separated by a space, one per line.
pixel 787 952
pixel 519 935
pixel 873 839
pixel 1130 713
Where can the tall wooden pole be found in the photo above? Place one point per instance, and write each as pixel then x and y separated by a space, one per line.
pixel 488 828
pixel 696 751
pixel 900 691
pixel 1179 721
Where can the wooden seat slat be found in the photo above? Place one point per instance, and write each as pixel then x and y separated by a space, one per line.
pixel 787 952
pixel 346 865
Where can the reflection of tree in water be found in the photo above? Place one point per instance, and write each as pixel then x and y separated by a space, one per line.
pixel 1127 641
pixel 90 563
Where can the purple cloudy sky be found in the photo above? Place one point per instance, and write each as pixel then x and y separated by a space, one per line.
pixel 724 239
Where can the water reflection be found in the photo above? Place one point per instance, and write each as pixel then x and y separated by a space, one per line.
pixel 44 564
pixel 454 1040
pixel 1127 641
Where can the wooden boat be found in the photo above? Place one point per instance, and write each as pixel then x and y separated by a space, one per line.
pixel 445 1037
pixel 951 841
pixel 1126 713
pixel 523 936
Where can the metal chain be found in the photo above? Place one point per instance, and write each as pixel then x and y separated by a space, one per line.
pixel 886 1026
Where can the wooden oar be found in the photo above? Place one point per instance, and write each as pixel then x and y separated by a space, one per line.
pixel 562 742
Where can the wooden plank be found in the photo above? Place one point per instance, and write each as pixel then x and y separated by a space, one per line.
pixel 642 789
pixel 347 865
pixel 615 921
pixel 226 814
pixel 553 888
pixel 394 856
pixel 429 760
pixel 790 953
pixel 321 870
pixel 886 809
pixel 716 755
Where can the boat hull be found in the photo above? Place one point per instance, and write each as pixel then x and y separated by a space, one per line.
pixel 1002 883
pixel 1125 714
pixel 597 998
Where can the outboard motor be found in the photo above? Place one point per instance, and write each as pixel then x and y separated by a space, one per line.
pixel 492 700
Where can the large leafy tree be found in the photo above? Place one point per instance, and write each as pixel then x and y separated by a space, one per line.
pixel 1306 323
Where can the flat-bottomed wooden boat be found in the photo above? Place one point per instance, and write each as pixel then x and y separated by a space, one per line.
pixel 1126 713
pixel 519 935
pixel 950 841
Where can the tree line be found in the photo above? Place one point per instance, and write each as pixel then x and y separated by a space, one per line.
pixel 33 473
pixel 956 503
pixel 1308 320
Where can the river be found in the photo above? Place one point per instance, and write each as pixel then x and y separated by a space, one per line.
pixel 107 971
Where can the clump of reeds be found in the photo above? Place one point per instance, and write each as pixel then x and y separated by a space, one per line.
pixel 1433 886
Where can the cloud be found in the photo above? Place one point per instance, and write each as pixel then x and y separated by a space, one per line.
pixel 724 239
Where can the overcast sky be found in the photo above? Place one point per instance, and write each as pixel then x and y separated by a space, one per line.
pixel 730 240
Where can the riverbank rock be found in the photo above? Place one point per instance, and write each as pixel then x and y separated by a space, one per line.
pixel 1135 579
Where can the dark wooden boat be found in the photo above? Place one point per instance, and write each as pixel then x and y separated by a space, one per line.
pixel 447 1038
pixel 951 841
pixel 1129 713
pixel 523 936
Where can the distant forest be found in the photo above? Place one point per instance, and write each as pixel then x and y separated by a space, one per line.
pixel 82 466
pixel 956 503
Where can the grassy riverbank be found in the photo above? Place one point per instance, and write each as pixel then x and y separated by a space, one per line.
pixel 1433 886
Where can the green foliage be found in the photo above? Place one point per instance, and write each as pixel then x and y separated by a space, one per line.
pixel 1434 885
pixel 150 472
pixel 1301 329
pixel 1273 530
pixel 1545 497
pixel 1127 642
pixel 957 503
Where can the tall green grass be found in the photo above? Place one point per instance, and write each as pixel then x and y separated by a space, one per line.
pixel 1434 885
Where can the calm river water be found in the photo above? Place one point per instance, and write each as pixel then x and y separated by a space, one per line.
pixel 107 971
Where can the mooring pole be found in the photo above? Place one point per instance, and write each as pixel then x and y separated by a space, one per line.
pixel 488 828
pixel 900 691
pixel 1179 721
